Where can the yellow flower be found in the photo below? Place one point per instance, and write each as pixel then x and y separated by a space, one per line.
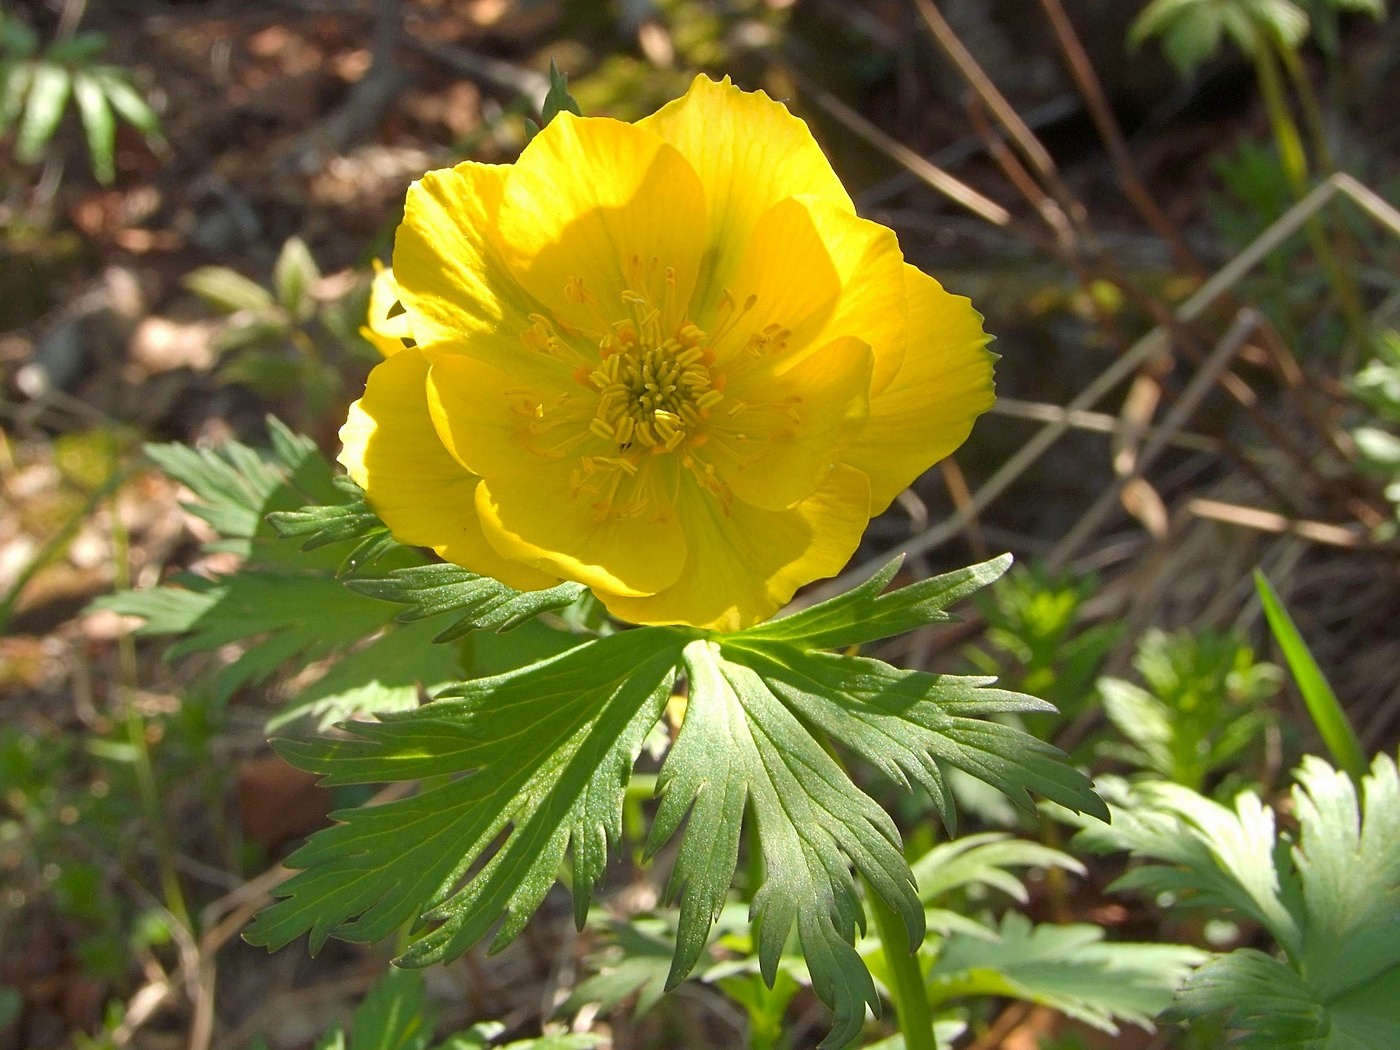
pixel 386 321
pixel 664 359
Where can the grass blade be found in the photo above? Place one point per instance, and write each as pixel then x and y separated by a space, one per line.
pixel 1326 712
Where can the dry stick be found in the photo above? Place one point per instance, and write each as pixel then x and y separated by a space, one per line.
pixel 1091 90
pixel 967 66
pixel 952 188
pixel 1096 422
pixel 1225 350
pixel 1145 349
pixel 1017 174
pixel 981 84
pixel 1270 521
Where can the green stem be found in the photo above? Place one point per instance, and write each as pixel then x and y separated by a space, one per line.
pixel 136 736
pixel 907 992
pixel 1295 169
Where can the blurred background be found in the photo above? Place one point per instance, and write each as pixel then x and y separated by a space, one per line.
pixel 192 193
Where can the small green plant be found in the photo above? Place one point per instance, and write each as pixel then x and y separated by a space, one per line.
pixel 282 340
pixel 1270 33
pixel 1035 640
pixel 294 601
pixel 976 952
pixel 1377 387
pixel 37 82
pixel 1199 708
pixel 1327 894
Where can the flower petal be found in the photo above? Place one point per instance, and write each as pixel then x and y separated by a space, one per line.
pixel 773 441
pixel 871 304
pixel 548 520
pixel 745 565
pixel 386 320
pixel 424 495
pixel 784 279
pixel 749 152
pixel 509 421
pixel 447 264
pixel 927 411
pixel 594 208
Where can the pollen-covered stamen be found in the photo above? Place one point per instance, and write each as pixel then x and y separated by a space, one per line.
pixel 654 392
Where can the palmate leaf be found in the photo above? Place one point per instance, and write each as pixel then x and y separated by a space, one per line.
pixel 747 741
pixel 1070 968
pixel 547 751
pixel 479 602
pixel 741 746
pixel 1330 897
pixel 531 766
pixel 300 529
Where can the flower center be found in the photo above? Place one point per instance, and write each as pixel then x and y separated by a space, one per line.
pixel 653 393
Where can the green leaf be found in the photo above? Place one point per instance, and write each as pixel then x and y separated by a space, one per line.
pixel 747 743
pixel 1217 857
pixel 1281 21
pixel 238 487
pixel 983 860
pixel 1192 41
pixel 293 275
pixel 388 673
pixel 546 750
pixel 909 722
pixel 99 125
pixel 740 746
pixel 392 1015
pixel 268 328
pixel 557 99
pixel 1327 714
pixel 863 614
pixel 127 101
pixel 289 617
pixel 77 50
pixel 49 86
pixel 227 290
pixel 16 86
pixel 480 602
pixel 16 38
pixel 1332 901
pixel 636 962
pixel 290 601
pixel 1070 968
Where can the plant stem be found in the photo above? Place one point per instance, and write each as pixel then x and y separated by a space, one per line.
pixel 136 736
pixel 906 988
pixel 1295 170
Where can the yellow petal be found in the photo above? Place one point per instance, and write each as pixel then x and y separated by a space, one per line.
pixel 426 498
pixel 817 273
pixel 595 208
pixel 784 279
pixel 749 152
pixel 448 268
pixel 870 306
pixel 497 421
pixel 927 411
pixel 386 320
pixel 551 521
pixel 745 565
pixel 773 441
